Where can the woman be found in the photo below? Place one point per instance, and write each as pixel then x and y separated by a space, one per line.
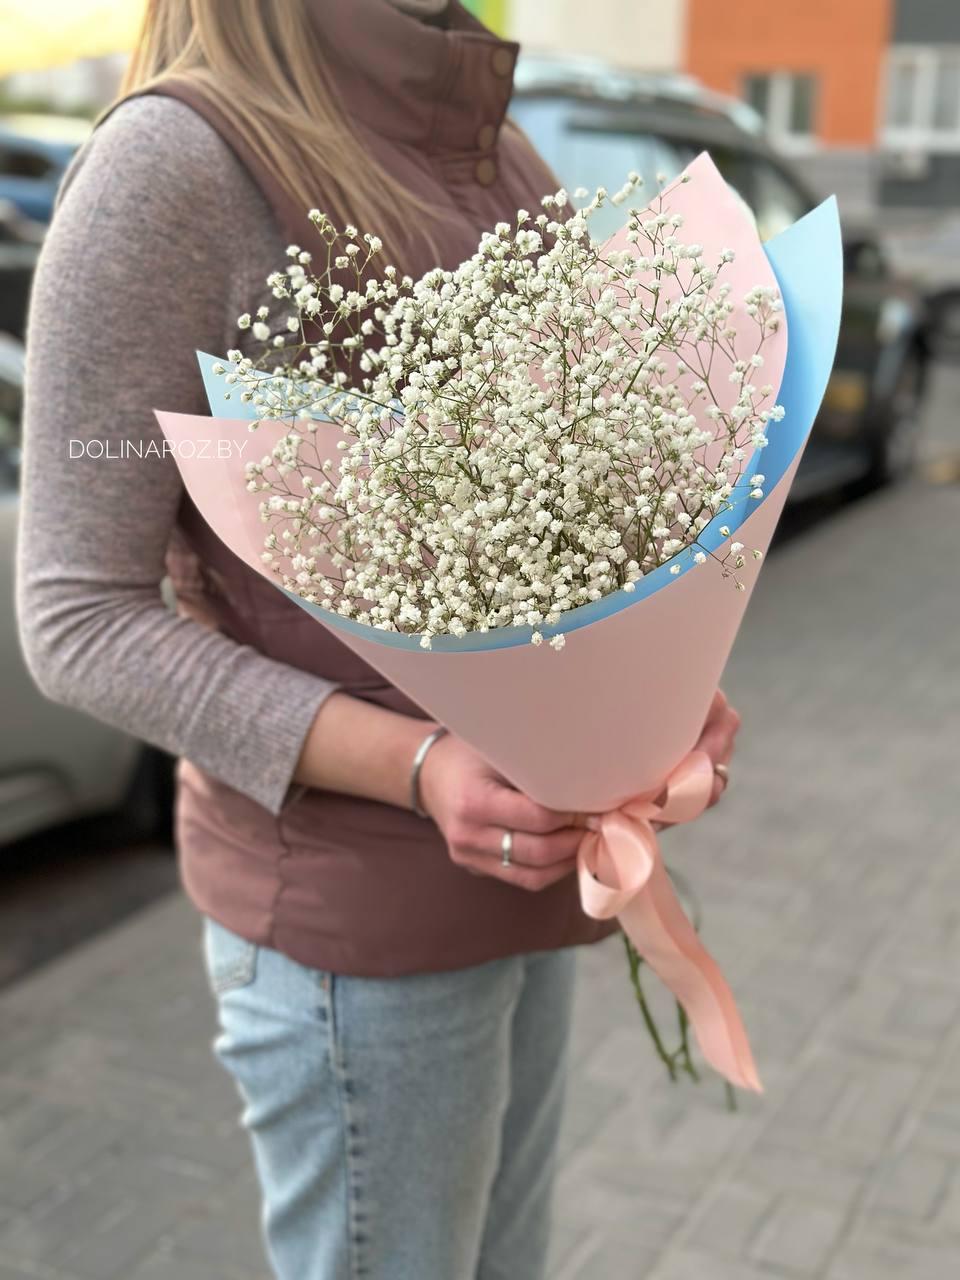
pixel 394 989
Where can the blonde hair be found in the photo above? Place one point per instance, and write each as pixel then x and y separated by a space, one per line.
pixel 261 65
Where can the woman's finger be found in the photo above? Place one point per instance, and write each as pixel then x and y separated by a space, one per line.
pixel 718 737
pixel 718 706
pixel 530 850
pixel 523 877
pixel 499 805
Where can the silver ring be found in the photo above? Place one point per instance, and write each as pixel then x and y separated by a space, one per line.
pixel 506 848
pixel 722 771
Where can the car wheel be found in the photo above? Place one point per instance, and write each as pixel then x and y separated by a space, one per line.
pixel 894 452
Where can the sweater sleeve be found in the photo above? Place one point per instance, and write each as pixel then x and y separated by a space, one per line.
pixel 155 224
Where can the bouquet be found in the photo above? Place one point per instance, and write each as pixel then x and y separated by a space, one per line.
pixel 557 445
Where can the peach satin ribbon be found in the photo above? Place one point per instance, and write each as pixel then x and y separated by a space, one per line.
pixel 621 873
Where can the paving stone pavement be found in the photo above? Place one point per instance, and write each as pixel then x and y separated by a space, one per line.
pixel 830 884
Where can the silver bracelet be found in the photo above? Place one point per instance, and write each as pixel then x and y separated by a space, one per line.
pixel 415 768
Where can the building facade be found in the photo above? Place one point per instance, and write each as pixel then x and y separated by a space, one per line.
pixel 864 95
pixel 814 69
pixel 920 130
pixel 630 33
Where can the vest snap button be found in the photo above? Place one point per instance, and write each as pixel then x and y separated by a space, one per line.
pixel 486 136
pixel 501 60
pixel 485 172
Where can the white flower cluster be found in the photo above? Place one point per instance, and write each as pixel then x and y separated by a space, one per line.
pixel 527 433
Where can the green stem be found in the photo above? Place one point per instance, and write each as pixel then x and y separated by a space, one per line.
pixel 633 959
pixel 686 1058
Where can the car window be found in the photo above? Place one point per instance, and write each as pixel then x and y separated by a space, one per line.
pixel 736 166
pixel 777 202
pixel 584 155
pixel 595 158
pixel 20 162
pixel 11 405
pixel 864 259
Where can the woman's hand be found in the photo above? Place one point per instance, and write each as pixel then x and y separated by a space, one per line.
pixel 473 806
pixel 717 739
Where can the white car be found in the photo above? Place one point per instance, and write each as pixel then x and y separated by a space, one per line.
pixel 55 764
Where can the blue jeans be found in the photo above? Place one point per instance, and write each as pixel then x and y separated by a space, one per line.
pixel 403 1128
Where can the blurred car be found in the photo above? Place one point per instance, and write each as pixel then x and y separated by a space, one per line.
pixel 594 124
pixel 20 239
pixel 34 152
pixel 945 312
pixel 56 764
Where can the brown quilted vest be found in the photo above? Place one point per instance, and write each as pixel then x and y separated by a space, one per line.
pixel 344 884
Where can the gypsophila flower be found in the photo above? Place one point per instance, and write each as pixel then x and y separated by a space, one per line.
pixel 521 436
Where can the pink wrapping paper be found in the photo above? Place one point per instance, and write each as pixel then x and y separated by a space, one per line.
pixel 603 726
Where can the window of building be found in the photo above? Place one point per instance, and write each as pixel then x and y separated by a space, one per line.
pixel 946 94
pixel 787 102
pixel 923 97
pixel 903 78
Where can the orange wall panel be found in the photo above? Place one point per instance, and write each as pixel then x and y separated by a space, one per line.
pixel 842 42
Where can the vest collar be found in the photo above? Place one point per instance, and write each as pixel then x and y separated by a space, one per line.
pixel 440 88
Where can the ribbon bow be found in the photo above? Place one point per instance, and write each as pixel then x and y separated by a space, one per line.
pixel 621 873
